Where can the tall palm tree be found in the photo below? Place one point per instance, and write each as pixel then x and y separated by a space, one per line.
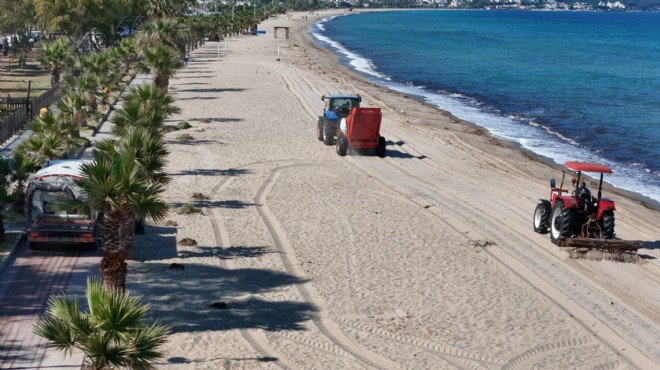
pixel 165 32
pixel 58 57
pixel 124 55
pixel 162 62
pixel 112 333
pixel 99 67
pixel 115 185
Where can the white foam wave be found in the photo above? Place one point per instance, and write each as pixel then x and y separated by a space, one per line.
pixel 537 138
pixel 529 134
pixel 356 61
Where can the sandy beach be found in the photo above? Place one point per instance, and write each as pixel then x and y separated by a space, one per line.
pixel 425 259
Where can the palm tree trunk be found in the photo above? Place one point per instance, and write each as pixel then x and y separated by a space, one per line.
pixel 118 230
pixel 113 271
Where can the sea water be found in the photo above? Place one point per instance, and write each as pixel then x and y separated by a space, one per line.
pixel 568 86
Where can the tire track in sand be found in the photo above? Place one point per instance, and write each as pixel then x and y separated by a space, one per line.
pixel 328 327
pixel 581 315
pixel 255 338
pixel 343 345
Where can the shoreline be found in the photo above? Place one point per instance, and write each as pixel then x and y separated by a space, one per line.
pixel 644 200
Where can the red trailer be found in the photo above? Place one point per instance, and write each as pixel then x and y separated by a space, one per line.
pixel 361 130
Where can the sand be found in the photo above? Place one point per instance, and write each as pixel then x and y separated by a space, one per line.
pixel 423 259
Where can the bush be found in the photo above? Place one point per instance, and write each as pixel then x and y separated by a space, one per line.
pixel 183 125
pixel 187 209
pixel 185 137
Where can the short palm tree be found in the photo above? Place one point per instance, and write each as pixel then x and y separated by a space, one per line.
pixel 21 167
pixel 43 147
pixel 72 107
pixel 133 115
pixel 151 98
pixel 58 57
pixel 144 106
pixel 61 133
pixel 112 333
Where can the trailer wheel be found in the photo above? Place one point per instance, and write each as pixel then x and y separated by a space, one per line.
pixel 561 223
pixel 342 145
pixel 608 224
pixel 329 132
pixel 380 149
pixel 542 217
pixel 319 129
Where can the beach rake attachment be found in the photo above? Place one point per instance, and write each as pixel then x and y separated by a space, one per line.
pixel 603 249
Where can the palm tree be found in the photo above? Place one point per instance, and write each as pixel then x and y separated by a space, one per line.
pixel 115 185
pixel 48 129
pixel 111 333
pixel 45 147
pixel 165 32
pixel 87 84
pixel 133 115
pixel 58 57
pixel 162 62
pixel 124 55
pixel 72 107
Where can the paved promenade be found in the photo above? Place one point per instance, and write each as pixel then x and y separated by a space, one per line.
pixel 27 281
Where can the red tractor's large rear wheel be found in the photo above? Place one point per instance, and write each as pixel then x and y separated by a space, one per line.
pixel 561 223
pixel 607 221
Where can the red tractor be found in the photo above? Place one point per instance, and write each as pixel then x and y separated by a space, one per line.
pixel 576 213
pixel 577 219
pixel 361 130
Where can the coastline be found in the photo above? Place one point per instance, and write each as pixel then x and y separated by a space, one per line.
pixel 645 200
pixel 423 259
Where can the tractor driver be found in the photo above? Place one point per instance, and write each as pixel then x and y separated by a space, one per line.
pixel 584 194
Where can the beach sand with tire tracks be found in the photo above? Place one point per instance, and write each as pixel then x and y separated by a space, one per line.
pixel 423 259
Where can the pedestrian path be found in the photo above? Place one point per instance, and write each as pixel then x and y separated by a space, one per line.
pixel 29 278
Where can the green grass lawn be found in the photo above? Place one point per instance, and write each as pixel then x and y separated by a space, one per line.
pixel 14 81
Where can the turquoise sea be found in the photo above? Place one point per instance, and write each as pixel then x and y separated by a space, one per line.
pixel 565 85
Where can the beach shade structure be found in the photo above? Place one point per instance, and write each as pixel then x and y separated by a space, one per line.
pixel 581 222
pixel 361 130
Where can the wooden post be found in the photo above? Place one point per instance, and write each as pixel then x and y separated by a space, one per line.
pixel 28 106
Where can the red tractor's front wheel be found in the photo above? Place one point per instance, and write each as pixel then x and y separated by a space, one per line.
pixel 542 217
pixel 561 223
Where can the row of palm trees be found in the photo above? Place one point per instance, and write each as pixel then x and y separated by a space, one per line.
pixel 124 182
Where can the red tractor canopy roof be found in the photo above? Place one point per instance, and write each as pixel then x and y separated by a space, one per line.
pixel 588 167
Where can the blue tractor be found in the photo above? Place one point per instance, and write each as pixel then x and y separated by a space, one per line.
pixel 336 108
